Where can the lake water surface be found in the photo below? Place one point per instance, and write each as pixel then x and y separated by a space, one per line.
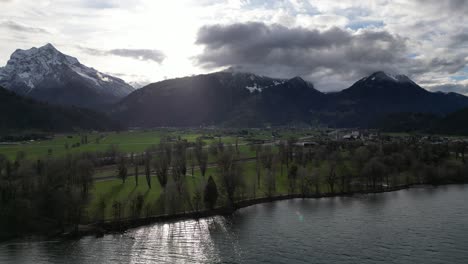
pixel 420 225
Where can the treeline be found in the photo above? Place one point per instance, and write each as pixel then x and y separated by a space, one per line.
pixel 348 167
pixel 25 136
pixel 43 195
pixel 450 124
pixel 329 167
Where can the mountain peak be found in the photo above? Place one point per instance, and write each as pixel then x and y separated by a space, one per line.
pixel 297 78
pixel 383 76
pixel 384 85
pixel 298 81
pixel 44 73
pixel 45 55
pixel 49 47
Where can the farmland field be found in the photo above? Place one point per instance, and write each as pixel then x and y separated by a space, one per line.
pixel 129 141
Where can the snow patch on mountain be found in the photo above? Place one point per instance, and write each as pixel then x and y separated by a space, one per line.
pixel 254 88
pixel 259 88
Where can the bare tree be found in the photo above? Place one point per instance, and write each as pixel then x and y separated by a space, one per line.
pixel 292 178
pixel 147 162
pixel 198 196
pixel 191 158
pixel 161 165
pixel 270 182
pixel 331 177
pixel 374 170
pixel 117 210
pixel 136 171
pixel 85 172
pixel 201 156
pixel 315 181
pixel 291 142
pixel 345 176
pixel 179 165
pixel 305 180
pixel 257 148
pixel 230 174
pixel 122 169
pixel 283 154
pixel 171 196
pixel 361 156
pixel 266 156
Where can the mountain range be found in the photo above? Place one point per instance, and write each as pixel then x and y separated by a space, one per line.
pixel 48 75
pixel 244 99
pixel 232 99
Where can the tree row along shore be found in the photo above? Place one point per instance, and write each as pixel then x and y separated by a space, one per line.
pixel 116 226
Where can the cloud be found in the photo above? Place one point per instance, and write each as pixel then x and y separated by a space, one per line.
pixel 137 54
pixel 99 4
pixel 140 54
pixel 11 25
pixel 460 39
pixel 446 6
pixel 279 50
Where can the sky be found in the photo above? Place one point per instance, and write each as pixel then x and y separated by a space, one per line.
pixel 329 43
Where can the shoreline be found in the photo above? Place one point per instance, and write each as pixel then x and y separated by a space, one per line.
pixel 120 226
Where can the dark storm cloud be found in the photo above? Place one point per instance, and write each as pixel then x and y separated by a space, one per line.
pixel 11 25
pixel 275 36
pixel 299 51
pixel 137 54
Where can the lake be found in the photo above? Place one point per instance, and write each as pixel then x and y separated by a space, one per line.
pixel 420 225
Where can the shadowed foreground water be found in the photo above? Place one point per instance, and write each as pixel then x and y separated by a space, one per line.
pixel 423 225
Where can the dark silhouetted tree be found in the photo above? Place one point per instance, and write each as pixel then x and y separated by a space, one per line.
pixel 122 170
pixel 210 194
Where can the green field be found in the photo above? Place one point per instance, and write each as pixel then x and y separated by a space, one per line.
pixel 137 141
pixel 128 142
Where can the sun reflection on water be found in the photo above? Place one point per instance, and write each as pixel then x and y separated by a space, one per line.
pixel 179 242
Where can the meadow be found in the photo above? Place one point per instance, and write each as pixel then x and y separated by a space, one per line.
pixel 127 142
pixel 137 141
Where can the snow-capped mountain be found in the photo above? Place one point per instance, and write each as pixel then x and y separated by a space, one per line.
pixel 47 74
pixel 384 76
